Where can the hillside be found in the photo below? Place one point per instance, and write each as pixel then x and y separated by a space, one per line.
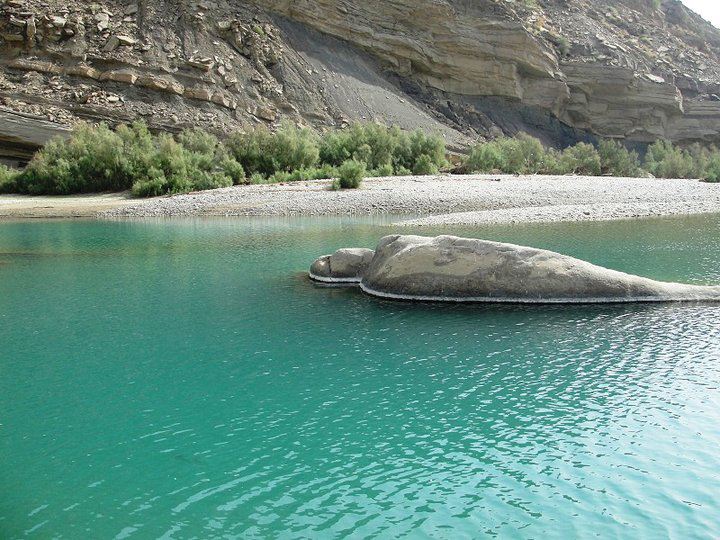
pixel 562 70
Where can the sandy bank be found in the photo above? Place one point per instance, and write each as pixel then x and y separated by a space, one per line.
pixel 71 206
pixel 446 199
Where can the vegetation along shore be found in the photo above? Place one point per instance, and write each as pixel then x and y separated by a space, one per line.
pixel 99 159
pixel 296 171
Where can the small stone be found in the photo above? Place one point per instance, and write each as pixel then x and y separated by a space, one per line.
pixel 205 64
pixel 112 44
pixel 103 21
pixel 126 40
pixel 266 113
pixel 58 22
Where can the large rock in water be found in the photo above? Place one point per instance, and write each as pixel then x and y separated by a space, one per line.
pixel 448 268
pixel 343 266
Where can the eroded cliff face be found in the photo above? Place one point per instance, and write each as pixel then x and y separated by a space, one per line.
pixel 630 71
pixel 560 69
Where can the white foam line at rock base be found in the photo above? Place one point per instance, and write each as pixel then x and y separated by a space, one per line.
pixel 323 279
pixel 496 300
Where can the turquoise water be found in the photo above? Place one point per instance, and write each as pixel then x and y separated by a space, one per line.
pixel 181 379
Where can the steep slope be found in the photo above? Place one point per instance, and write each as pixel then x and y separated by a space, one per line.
pixel 561 69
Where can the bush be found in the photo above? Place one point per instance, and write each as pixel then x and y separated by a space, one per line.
pixel 485 158
pixel 8 179
pixel 712 169
pixel 151 187
pixel 582 158
pixel 261 151
pixel 422 144
pixel 664 160
pixel 351 174
pixel 316 173
pixel 257 178
pixel 424 165
pixel 616 160
pixel 233 170
pixel 373 144
pixel 201 142
pixel 383 170
pixel 96 159
pixel 522 154
pixel 93 159
pixel 381 148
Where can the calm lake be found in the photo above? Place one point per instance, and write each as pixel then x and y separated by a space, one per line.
pixel 182 379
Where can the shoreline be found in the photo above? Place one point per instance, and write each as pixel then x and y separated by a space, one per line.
pixel 439 199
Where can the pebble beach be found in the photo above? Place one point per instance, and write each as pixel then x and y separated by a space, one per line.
pixel 425 200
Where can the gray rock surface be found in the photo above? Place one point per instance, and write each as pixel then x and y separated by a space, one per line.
pixel 23 134
pixel 563 70
pixel 343 266
pixel 448 268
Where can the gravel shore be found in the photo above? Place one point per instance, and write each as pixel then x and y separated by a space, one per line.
pixel 450 199
pixel 65 206
pixel 441 199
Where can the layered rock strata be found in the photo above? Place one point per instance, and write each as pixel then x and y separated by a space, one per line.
pixel 559 69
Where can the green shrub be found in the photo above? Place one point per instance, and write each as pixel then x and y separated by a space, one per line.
pixel 261 151
pixel 8 179
pixel 582 158
pixel 665 160
pixel 96 159
pixel 279 177
pixel 380 147
pixel 373 144
pixel 351 174
pixel 712 168
pixel 616 160
pixel 485 158
pixel 522 154
pixel 258 178
pixel 424 165
pixel 233 170
pixel 530 154
pixel 325 172
pixel 423 144
pixel 383 170
pixel 151 187
pixel 93 159
pixel 201 142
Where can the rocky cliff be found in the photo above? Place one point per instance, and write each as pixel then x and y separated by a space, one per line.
pixel 560 69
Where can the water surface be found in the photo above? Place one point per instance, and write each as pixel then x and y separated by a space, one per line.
pixel 181 379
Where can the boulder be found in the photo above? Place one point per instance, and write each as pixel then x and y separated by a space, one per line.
pixel 343 266
pixel 448 268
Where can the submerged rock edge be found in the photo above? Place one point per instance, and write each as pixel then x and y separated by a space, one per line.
pixel 518 300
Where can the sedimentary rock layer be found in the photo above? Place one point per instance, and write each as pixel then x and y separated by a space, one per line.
pixel 560 69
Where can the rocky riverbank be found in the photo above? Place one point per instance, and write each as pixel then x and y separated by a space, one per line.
pixel 429 200
pixel 448 199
